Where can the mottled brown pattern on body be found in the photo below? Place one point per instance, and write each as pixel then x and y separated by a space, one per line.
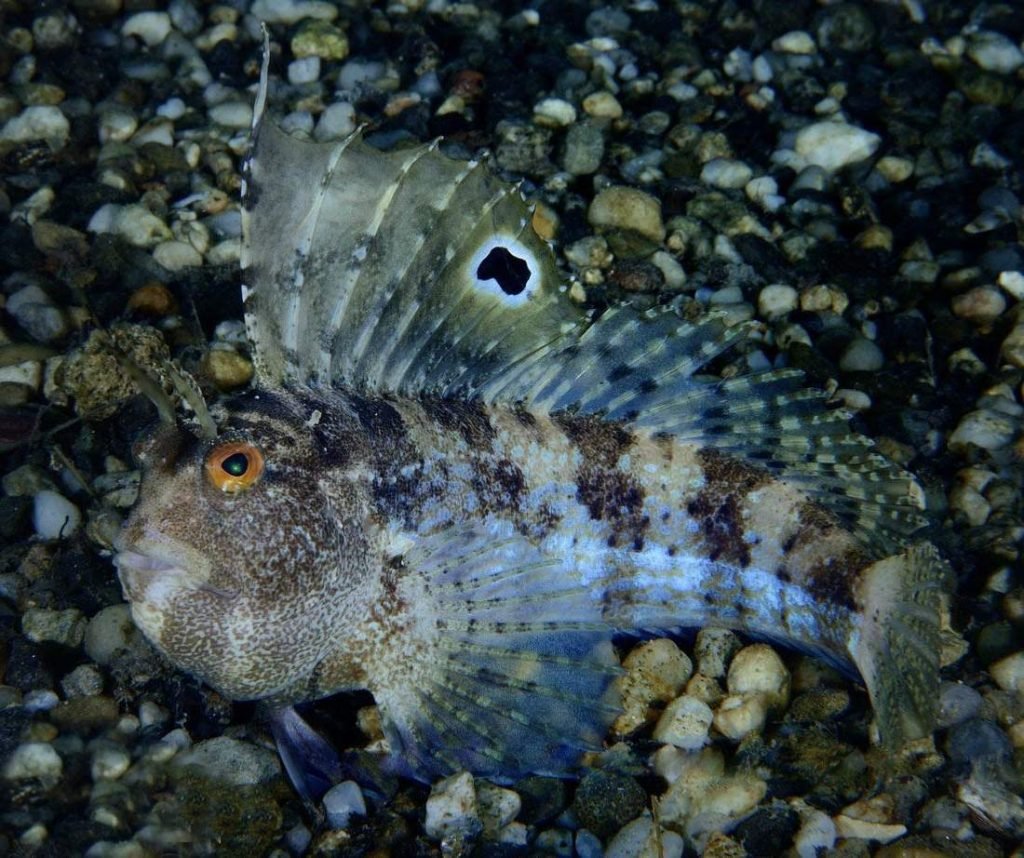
pixel 609 493
pixel 468 418
pixel 830 560
pixel 499 485
pixel 717 507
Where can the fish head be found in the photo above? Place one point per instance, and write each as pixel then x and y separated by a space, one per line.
pixel 246 553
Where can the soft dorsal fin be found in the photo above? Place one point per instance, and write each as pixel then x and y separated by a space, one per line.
pixel 400 271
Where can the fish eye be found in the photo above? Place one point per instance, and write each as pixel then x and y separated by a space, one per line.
pixel 234 467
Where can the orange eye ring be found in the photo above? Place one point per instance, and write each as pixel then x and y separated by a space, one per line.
pixel 234 467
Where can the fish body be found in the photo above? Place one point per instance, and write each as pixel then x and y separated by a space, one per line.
pixel 453 488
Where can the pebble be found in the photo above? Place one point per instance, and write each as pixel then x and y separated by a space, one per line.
pixel 293 11
pixel 764 191
pixel 861 355
pixel 496 806
pixel 713 649
pixel 994 52
pixel 981 305
pixel 54 516
pixel 894 168
pixel 232 114
pixel 65 627
pixel 833 145
pixel 1009 672
pixel 607 800
pixel 641 838
pixel 227 368
pixel 83 681
pixel 342 802
pixel 230 761
pixel 602 105
pixel 306 70
pixel 656 670
pixel 554 113
pixel 624 208
pixel 134 223
pixel 109 633
pixel 817 833
pixel 151 27
pixel 452 808
pixel 777 299
pixel 1012 349
pixel 726 173
pixel 984 428
pixel 684 723
pixel 109 762
pixel 35 312
pixel 795 42
pixel 957 703
pixel 38 122
pixel 34 760
pixel 863 829
pixel 739 715
pixel 320 39
pixel 336 122
pixel 86 714
pixel 177 255
pixel 584 150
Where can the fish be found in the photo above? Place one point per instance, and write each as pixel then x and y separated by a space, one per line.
pixel 452 486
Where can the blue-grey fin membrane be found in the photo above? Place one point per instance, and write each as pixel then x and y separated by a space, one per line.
pixel 517 678
pixel 312 764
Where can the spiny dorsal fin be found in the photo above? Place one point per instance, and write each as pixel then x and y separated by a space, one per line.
pixel 403 271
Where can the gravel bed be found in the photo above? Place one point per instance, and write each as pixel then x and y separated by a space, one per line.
pixel 846 175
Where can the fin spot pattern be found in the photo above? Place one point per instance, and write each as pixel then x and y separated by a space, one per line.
pixel 509 271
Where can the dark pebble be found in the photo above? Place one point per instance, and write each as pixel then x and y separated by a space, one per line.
pixel 977 742
pixel 26 666
pixel 605 801
pixel 14 517
pixel 543 799
pixel 769 830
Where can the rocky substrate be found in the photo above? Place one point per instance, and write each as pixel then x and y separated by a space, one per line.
pixel 846 176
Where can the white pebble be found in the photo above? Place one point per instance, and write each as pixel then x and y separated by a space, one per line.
pixel 1009 672
pixel 109 633
pixel 497 807
pixel 40 700
pixel 177 255
pixel 292 11
pixel 758 668
pixel 1013 283
pixel 33 760
pixel 554 112
pixel 764 191
pixel 684 723
pixel 342 802
pixel 833 145
pixel 981 305
pixel 109 763
pixel 158 130
pixel 54 516
pixel 38 122
pixel 134 223
pixel 795 42
pixel 232 114
pixel 116 126
pixel 151 27
pixel 451 807
pixel 739 715
pixel 817 834
pixel 336 122
pixel 776 300
pixel 726 173
pixel 983 428
pixel 305 70
pixel 641 838
pixel 994 52
pixel 864 829
pixel 36 313
pixel 861 355
pixel 173 108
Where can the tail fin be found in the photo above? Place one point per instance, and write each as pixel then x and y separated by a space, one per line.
pixel 896 647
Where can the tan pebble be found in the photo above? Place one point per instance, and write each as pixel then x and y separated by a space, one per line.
pixel 705 688
pixel 875 237
pixel 981 305
pixel 739 715
pixel 859 829
pixel 153 299
pixel 602 105
pixel 758 669
pixel 894 168
pixel 227 368
pixel 1009 672
pixel 684 723
pixel 1012 350
pixel 720 845
pixel 625 208
pixel 544 221
pixel 1016 734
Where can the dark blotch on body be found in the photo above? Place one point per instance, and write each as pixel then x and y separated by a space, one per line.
pixel 468 418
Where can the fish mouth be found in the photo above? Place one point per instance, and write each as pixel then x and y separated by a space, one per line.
pixel 156 574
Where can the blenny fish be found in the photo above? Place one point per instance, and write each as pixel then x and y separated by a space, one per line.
pixel 453 487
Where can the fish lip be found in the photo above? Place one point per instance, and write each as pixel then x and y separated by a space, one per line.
pixel 153 572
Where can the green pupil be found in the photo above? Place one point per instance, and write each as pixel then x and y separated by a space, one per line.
pixel 236 464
